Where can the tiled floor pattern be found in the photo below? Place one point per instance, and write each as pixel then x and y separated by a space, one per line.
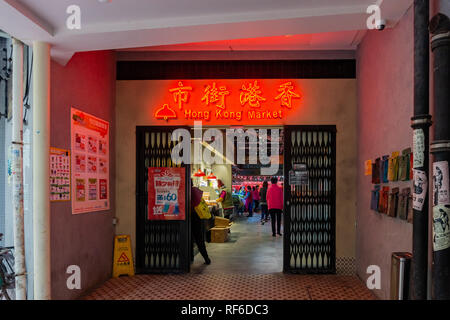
pixel 248 267
pixel 232 287
pixel 251 249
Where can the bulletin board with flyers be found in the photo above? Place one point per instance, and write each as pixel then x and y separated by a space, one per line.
pixel 90 160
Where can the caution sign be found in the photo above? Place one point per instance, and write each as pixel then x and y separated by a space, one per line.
pixel 123 257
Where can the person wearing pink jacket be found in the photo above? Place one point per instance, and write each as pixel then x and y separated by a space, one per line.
pixel 275 205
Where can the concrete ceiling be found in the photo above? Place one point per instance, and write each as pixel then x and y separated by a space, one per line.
pixel 195 24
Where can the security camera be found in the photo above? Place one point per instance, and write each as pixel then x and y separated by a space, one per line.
pixel 380 24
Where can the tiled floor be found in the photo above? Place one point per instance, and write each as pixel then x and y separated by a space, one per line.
pixel 248 267
pixel 232 287
pixel 250 250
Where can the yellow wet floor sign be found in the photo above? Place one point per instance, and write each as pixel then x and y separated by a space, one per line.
pixel 123 256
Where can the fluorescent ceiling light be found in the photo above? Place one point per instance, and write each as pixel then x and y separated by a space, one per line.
pixel 208 146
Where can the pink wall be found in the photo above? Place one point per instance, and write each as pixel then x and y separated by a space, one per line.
pixel 87 82
pixel 385 106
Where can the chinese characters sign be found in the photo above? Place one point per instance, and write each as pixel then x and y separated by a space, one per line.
pixel 90 159
pixel 227 100
pixel 166 196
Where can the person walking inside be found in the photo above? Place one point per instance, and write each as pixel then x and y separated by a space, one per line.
pixel 275 205
pixel 263 202
pixel 255 195
pixel 249 201
pixel 197 224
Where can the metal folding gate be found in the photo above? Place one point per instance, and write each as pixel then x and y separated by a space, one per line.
pixel 161 246
pixel 310 210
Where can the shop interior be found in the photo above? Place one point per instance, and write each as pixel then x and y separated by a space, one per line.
pixel 238 238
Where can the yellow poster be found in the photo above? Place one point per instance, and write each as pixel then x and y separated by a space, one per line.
pixel 368 167
pixel 123 256
pixel 393 166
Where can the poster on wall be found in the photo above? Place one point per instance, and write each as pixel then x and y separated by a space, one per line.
pixel 299 175
pixel 441 193
pixel 441 227
pixel 59 174
pixel 420 189
pixel 368 168
pixel 418 148
pixel 90 159
pixel 166 193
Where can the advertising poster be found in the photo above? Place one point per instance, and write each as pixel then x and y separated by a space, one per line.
pixel 166 193
pixel 441 227
pixel 59 174
pixel 90 156
pixel 299 175
pixel 420 189
pixel 418 148
pixel 441 193
pixel 368 167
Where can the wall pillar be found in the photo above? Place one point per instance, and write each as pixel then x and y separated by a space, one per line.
pixel 421 123
pixel 440 148
pixel 17 170
pixel 41 182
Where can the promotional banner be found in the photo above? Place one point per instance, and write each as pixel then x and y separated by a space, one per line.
pixel 90 159
pixel 166 193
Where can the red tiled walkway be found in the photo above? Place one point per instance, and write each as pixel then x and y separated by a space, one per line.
pixel 233 287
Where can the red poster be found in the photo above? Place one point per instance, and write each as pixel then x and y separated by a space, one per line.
pixel 166 193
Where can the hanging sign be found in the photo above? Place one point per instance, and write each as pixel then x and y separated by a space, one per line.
pixel 166 193
pixel 440 183
pixel 59 174
pixel 420 189
pixel 441 227
pixel 90 156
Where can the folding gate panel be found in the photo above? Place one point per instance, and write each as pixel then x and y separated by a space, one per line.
pixel 161 246
pixel 310 210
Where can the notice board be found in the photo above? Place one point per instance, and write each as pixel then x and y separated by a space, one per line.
pixel 90 160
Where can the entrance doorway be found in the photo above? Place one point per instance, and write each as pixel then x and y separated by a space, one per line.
pixel 309 204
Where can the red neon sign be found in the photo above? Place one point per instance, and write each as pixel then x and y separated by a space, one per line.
pixel 165 112
pixel 227 101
